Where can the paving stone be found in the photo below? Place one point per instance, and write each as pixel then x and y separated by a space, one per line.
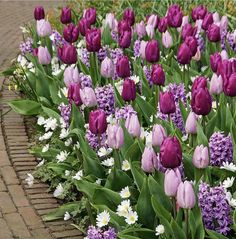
pixel 4 230
pixel 41 234
pixel 6 203
pixel 4 160
pixel 18 195
pixel 9 175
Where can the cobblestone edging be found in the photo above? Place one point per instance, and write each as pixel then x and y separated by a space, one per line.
pixel 21 206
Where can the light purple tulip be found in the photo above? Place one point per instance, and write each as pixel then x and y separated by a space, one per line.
pixel 43 28
pixel 148 160
pixel 150 31
pixel 71 75
pixel 111 22
pixel 172 181
pixel 107 68
pixel 185 20
pixel 44 56
pixel 198 24
pixel 216 84
pixel 141 29
pixel 223 23
pixel 167 40
pixel 142 49
pixel 115 136
pixel 88 97
pixel 216 17
pixel 132 125
pixel 153 20
pixel 186 195
pixel 224 55
pixel 197 56
pixel 191 123
pixel 158 135
pixel 201 157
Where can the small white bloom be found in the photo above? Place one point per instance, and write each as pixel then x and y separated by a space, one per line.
pixel 111 120
pixel 67 216
pixel 64 133
pixel 62 92
pixel 98 181
pixel 78 175
pixel 68 142
pixel 24 30
pixel 144 133
pixel 185 137
pixel 58 191
pixel 143 97
pixel 228 182
pixel 108 162
pixel 62 156
pixel 230 199
pixel 30 179
pixel 135 79
pixel 125 165
pixel 77 145
pixel 125 193
pixel 62 123
pixel 67 173
pixel 46 136
pixel 45 148
pixel 104 152
pixel 86 126
pixel 151 118
pixel 119 86
pixel 103 219
pixel 160 230
pixel 132 217
pixel 50 124
pixel 123 208
pixel 229 166
pixel 41 120
pixel 41 163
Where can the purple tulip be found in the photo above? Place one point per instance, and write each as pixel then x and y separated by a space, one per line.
pixel 35 52
pixel 213 33
pixel 191 124
pixel 141 29
pixel 149 159
pixel 207 21
pixel 201 157
pixel 216 84
pixel 39 13
pixel 215 60
pixel 158 135
pixel 225 68
pixel 172 181
pixel 199 12
pixel 167 103
pixel 132 125
pixel 71 33
pixel 188 30
pixel 171 153
pixel 93 40
pixel 123 67
pixel 129 16
pixel 174 16
pixel 129 90
pixel 167 40
pixel 152 51
pixel 199 82
pixel 192 44
pixel 84 25
pixel 158 75
pixel 88 96
pixel 97 122
pixel 44 56
pixel 125 39
pixel 223 23
pixel 185 195
pixel 163 24
pixel 71 75
pixel 90 14
pixel 123 26
pixel 115 136
pixel 74 93
pixel 66 15
pixel 230 85
pixel 184 54
pixel 67 54
pixel 43 28
pixel 107 68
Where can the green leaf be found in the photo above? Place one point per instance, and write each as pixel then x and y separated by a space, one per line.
pixel 92 166
pixel 51 113
pixel 26 107
pixel 215 235
pixel 178 231
pixel 201 137
pixel 138 174
pixel 86 187
pixel 77 118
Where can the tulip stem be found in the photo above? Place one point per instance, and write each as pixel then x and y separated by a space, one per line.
pixel 89 211
pixel 156 95
pixel 186 222
pixel 117 159
pixel 174 206
pixel 99 140
pixel 203 124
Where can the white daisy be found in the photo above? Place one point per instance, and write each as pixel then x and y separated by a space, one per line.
pixel 62 156
pixel 230 199
pixel 104 152
pixel 50 124
pixel 78 175
pixel 108 162
pixel 46 136
pixel 103 219
pixel 77 145
pixel 45 148
pixel 30 179
pixel 68 142
pixel 64 133
pixel 67 216
pixel 229 166
pixel 125 193
pixel 123 208
pixel 62 123
pixel 125 165
pixel 67 173
pixel 132 217
pixel 135 79
pixel 41 120
pixel 58 191
pixel 160 230
pixel 228 182
pixel 98 181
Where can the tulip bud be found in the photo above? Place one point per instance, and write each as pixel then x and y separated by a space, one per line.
pixel 184 54
pixel 216 84
pixel 163 24
pixel 188 30
pixel 93 40
pixel 148 160
pixel 71 33
pixel 215 59
pixel 44 56
pixel 107 68
pixel 207 21
pixel 167 103
pixel 83 26
pixel 152 51
pixel 172 181
pixel 115 136
pixel 201 157
pixel 90 14
pixel 158 135
pixel 43 28
pixel 143 45
pixel 110 21
pixel 170 153
pixel 66 15
pixel 88 97
pixel 141 29
pixel 185 195
pixel 167 40
pixel 123 67
pixel 129 16
pixel 191 42
pixel 191 124
pixel 125 39
pixel 35 52
pixel 74 93
pixel 157 75
pixel 153 20
pixel 132 125
pixel 199 12
pixel 39 13
pixel 97 122
pixel 71 75
pixel 213 33
pixel 129 90
pixel 67 54
pixel 174 16
pixel 230 85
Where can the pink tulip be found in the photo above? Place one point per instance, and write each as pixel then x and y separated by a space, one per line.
pixel 201 157
pixel 185 195
pixel 172 181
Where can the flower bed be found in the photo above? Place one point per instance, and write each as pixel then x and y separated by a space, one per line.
pixel 135 120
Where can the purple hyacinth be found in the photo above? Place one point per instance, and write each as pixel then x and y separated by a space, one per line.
pixel 85 80
pixel 137 44
pixel 147 73
pixel 223 39
pixel 124 112
pixel 114 36
pixel 98 233
pixel 110 233
pixel 232 40
pixel 84 56
pixel 102 53
pixel 93 139
pixel 65 111
pixel 179 95
pixel 221 149
pixel 27 46
pixel 57 39
pixel 200 41
pixel 216 212
pixel 106 98
pixel 115 55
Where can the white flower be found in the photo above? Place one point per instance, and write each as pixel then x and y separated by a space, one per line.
pixel 24 30
pixel 151 118
pixel 119 86
pixel 62 156
pixel 230 199
pixel 64 133
pixel 125 165
pixel 108 162
pixel 160 230
pixel 228 182
pixel 59 190
pixel 50 123
pixel 123 208
pixel 67 173
pixel 30 179
pixel 143 133
pixel 135 79
pixel 41 163
pixel 67 216
pixel 78 175
pixel 104 152
pixel 62 123
pixel 41 120
pixel 46 136
pixel 103 218
pixel 131 218
pixel 98 181
pixel 111 120
pixel 63 91
pixel 77 145
pixel 229 166
pixel 185 137
pixel 45 148
pixel 143 97
pixel 68 142
pixel 125 193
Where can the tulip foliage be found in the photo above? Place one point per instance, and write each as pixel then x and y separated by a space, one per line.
pixel 136 120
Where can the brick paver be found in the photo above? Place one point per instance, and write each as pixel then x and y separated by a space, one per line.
pixel 21 206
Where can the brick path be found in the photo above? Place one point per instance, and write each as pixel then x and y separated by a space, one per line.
pixel 21 207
